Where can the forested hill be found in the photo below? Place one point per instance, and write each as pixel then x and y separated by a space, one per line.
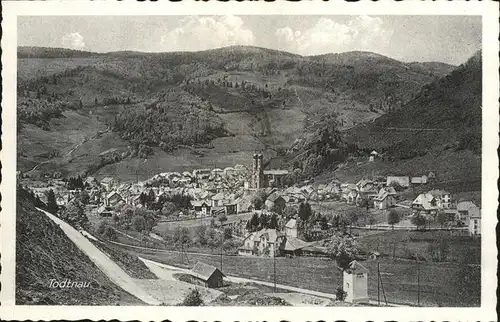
pixel 231 100
pixel 445 113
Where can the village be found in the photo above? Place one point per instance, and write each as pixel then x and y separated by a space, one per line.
pixel 262 217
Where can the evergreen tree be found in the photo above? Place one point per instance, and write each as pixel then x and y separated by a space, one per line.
pixel 52 206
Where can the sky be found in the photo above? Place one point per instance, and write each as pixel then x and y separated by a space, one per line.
pixel 449 39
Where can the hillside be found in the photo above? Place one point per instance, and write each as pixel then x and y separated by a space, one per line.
pixel 43 252
pixel 201 107
pixel 439 130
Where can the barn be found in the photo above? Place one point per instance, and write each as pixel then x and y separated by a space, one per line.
pixel 210 275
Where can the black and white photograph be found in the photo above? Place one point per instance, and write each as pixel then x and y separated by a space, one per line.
pixel 240 160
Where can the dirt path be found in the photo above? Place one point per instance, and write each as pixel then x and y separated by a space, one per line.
pixel 105 264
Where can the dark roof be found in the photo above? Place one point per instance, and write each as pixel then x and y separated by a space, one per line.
pixel 204 271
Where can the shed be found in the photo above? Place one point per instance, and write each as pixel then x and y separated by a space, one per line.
pixel 210 275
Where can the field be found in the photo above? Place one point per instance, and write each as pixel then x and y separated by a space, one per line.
pixel 438 286
pixel 406 243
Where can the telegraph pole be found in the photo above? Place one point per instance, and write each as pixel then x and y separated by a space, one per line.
pixel 378 283
pixel 418 283
pixel 274 264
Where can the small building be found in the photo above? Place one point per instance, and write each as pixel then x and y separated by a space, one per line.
pixel 374 154
pixel 475 224
pixel 210 275
pixel 274 177
pixel 107 183
pixel 201 207
pixel 419 180
pixel 291 228
pixel 466 210
pixel 383 200
pixel 293 246
pixel 356 283
pixel 105 211
pixel 113 198
pixel 275 201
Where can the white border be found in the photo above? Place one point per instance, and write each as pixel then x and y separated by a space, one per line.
pixel 489 12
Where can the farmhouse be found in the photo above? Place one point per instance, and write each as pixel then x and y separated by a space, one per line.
pixel 293 246
pixel 107 183
pixel 425 203
pixel 208 274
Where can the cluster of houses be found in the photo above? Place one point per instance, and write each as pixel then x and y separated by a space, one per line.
pixel 464 212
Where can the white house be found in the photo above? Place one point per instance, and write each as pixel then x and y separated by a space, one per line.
pixel 266 242
pixel 475 224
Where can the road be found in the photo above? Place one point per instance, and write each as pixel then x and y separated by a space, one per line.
pixel 103 262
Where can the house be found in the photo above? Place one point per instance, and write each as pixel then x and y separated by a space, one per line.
pixel 475 224
pixel 105 211
pixel 107 183
pixel 201 207
pixel 293 246
pixel 425 203
pixel 373 155
pixel 113 198
pixel 291 228
pixel 466 210
pixel 365 185
pixel 275 201
pixel 419 180
pixel 384 199
pixel 274 177
pixel 210 275
pixel 444 198
pixel 356 283
pixel 403 181
pixel 266 242
pixel 91 182
pixel 352 196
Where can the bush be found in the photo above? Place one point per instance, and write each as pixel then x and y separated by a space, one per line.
pixel 193 298
pixel 340 294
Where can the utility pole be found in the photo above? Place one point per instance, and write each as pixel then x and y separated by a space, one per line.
pixel 274 264
pixel 418 283
pixel 378 283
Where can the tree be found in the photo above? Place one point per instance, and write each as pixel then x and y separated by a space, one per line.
pixel 273 222
pixel 305 211
pixel 52 206
pixel 83 197
pixel 393 218
pixel 201 237
pixel 193 298
pixel 75 215
pixel 442 218
pixel 138 223
pixel 222 218
pixel 418 220
pixel 253 223
pixel 258 200
pixel 343 249
pixel 340 294
pixel 263 221
pixel 228 233
pixel 182 237
pixel 289 211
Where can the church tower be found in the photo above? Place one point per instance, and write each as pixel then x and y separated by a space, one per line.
pixel 258 172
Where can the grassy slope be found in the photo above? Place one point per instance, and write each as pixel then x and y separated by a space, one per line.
pixel 43 252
